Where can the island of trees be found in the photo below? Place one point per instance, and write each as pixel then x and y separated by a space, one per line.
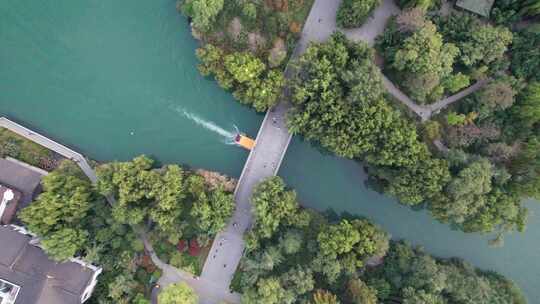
pixel 297 255
pixel 246 44
pixel 471 165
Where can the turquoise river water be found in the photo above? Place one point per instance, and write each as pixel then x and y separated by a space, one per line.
pixel 115 79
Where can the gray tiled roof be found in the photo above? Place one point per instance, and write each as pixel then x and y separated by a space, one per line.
pixel 42 280
pixel 481 7
pixel 20 178
pixel 11 206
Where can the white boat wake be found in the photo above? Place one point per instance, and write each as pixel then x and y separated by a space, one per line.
pixel 208 125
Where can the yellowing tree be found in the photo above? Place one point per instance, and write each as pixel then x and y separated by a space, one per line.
pixel 179 293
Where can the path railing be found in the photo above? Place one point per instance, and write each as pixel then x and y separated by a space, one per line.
pixel 48 143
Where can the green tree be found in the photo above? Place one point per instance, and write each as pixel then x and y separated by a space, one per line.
pixel 65 201
pixel 59 214
pixel 324 297
pixel 416 277
pixel 122 288
pixel 298 279
pixel 353 13
pixel 291 242
pixel 425 59
pixel 530 8
pixel 421 182
pixel 424 52
pixel 336 92
pixel 467 193
pixel 262 93
pixel 414 296
pixel 455 119
pixel 178 293
pixel 251 80
pixel 422 4
pixel 132 183
pixel 203 12
pixel 485 44
pixel 212 212
pixel 525 52
pixel 244 67
pixel 525 168
pixel 359 293
pixel 64 243
pixel 527 108
pixel 338 238
pixel 456 82
pixel 268 291
pixel 273 205
pixel 497 95
pixel 169 198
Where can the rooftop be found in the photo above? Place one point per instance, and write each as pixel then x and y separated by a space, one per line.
pixel 20 178
pixel 40 279
pixel 480 7
pixel 9 199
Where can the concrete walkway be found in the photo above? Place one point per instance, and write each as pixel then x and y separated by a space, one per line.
pixel 170 275
pixel 263 161
pixel 443 103
pixel 50 144
pixel 271 145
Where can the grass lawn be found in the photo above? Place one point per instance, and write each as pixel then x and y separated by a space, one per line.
pixel 20 148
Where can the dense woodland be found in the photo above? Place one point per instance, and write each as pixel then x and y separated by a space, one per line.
pixel 433 57
pixel 246 44
pixel 487 160
pixel 169 204
pixel 296 255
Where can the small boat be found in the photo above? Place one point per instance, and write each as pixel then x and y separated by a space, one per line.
pixel 244 141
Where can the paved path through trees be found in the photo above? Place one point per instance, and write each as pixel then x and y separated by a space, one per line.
pixel 271 144
pixel 368 32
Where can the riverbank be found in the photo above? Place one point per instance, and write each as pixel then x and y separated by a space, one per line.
pixel 105 95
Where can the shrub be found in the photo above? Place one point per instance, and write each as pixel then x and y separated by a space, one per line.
pixel 456 82
pixel 177 260
pixel 422 4
pixel 352 13
pixel 455 119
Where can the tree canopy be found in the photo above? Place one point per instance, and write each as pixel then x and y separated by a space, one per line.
pixel 251 81
pixel 412 276
pixel 353 13
pixel 337 101
pixel 59 214
pixel 168 196
pixel 302 255
pixel 203 12
pixel 178 293
pixel 330 268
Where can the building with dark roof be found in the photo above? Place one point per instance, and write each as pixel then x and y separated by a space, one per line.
pixel 480 7
pixel 21 177
pixel 9 200
pixel 28 276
